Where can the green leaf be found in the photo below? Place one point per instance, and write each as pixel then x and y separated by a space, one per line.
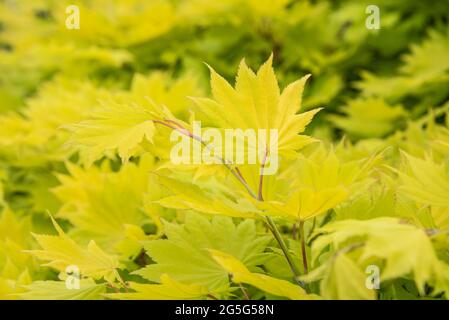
pixel 342 279
pixel 184 256
pixel 400 249
pixel 112 127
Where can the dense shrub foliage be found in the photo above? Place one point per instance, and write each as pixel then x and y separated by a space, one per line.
pixel 94 207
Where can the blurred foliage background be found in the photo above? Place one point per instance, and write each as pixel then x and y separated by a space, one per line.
pixel 359 75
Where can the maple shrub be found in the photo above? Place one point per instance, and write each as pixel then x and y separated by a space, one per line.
pixel 224 150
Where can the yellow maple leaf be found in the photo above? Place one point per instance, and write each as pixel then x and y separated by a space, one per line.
pixel 240 274
pixel 257 103
pixel 425 181
pixel 112 127
pixel 322 181
pixel 60 251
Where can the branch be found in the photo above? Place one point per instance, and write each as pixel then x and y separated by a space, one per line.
pixel 303 247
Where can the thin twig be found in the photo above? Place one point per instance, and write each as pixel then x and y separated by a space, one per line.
pixel 280 241
pixel 245 293
pixel 294 231
pixel 234 171
pixel 273 228
pixel 313 227
pixel 303 247
pixel 262 167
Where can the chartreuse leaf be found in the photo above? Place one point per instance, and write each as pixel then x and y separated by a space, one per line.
pixel 421 67
pixel 60 251
pixel 162 90
pixel 401 248
pixel 257 103
pixel 440 217
pixel 123 24
pixel 190 196
pixel 168 289
pixel 100 202
pixel 422 62
pixel 322 181
pixel 112 127
pixel 341 279
pixel 240 274
pixel 14 263
pixel 13 228
pixel 380 200
pixel 425 181
pixel 369 118
pixel 124 119
pixel 57 290
pixel 16 266
pixel 58 102
pixel 10 288
pixel 190 242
